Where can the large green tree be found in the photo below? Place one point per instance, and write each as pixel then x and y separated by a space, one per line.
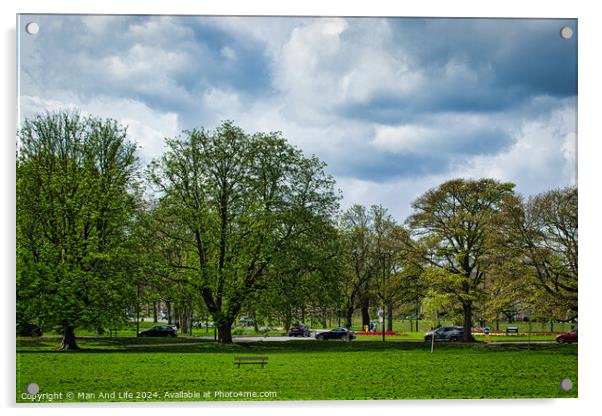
pixel 395 279
pixel 545 229
pixel 360 265
pixel 304 278
pixel 242 199
pixel 76 197
pixel 455 228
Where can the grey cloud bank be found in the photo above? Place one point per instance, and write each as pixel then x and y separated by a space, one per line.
pixel 393 105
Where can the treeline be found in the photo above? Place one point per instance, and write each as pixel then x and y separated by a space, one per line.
pixel 226 224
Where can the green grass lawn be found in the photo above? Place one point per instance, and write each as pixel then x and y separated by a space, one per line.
pixel 297 370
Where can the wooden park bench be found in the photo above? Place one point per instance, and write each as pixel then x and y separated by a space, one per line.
pixel 250 360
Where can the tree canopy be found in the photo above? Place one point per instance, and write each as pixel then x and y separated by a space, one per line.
pixel 455 225
pixel 76 195
pixel 242 200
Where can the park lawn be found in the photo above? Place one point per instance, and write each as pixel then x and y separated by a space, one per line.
pixel 297 370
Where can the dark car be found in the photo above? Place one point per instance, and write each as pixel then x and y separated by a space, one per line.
pixel 567 337
pixel 337 333
pixel 28 330
pixel 446 333
pixel 244 321
pixel 298 330
pixel 160 331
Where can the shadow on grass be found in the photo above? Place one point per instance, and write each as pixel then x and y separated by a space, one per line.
pixel 133 345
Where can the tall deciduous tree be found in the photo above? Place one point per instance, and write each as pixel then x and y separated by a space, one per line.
pixel 545 228
pixel 393 267
pixel 304 277
pixel 376 265
pixel 242 199
pixel 358 252
pixel 455 225
pixel 75 199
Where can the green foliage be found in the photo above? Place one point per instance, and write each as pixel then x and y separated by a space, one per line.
pixel 436 304
pixel 545 229
pixel 238 203
pixel 455 229
pixel 376 263
pixel 76 195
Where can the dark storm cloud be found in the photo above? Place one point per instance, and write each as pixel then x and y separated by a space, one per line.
pixel 183 59
pixel 382 160
pixel 509 61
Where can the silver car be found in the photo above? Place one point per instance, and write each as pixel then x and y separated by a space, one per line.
pixel 446 333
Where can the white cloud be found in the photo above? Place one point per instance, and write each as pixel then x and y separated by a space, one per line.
pixel 328 63
pixel 228 53
pixel 414 139
pixel 30 105
pixel 395 195
pixel 569 153
pixel 302 69
pixel 272 32
pixel 98 25
pixel 221 105
pixel 145 60
pixel 161 30
pixel 444 134
pixel 543 155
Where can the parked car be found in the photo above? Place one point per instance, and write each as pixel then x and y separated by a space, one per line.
pixel 245 321
pixel 298 330
pixel 337 333
pixel 160 331
pixel 446 333
pixel 567 337
pixel 28 330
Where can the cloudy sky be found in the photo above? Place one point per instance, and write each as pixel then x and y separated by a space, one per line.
pixel 394 106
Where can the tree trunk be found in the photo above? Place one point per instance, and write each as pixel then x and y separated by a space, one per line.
pixel 176 316
pixel 68 341
pixel 184 320
pixel 365 305
pixel 224 332
pixel 168 307
pixel 467 309
pixel 155 307
pixel 390 317
pixel 286 322
pixel 348 317
pixel 255 323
